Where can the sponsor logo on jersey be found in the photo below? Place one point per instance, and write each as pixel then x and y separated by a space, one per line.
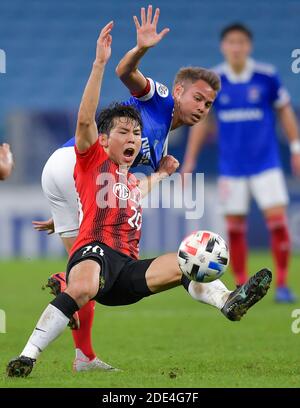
pixel 121 191
pixel 162 90
pixel 240 115
pixel 146 154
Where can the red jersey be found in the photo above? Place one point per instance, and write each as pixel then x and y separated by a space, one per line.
pixel 109 203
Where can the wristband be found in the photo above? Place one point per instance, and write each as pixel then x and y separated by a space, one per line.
pixel 295 147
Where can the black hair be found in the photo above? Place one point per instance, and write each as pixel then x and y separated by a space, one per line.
pixel 236 27
pixel 105 118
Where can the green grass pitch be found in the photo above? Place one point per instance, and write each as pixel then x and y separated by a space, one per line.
pixel 168 340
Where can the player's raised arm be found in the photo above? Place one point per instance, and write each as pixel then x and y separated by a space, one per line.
pixel 147 37
pixel 6 161
pixel 86 130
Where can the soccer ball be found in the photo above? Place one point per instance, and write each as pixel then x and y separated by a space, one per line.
pixel 203 256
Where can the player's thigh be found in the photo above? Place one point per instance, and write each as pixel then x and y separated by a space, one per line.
pixel 163 273
pixel 59 188
pixel 234 195
pixel 269 189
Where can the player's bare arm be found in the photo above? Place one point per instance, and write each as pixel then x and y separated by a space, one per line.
pixel 6 161
pixel 289 124
pixel 147 37
pixel 195 141
pixel 167 166
pixel 86 130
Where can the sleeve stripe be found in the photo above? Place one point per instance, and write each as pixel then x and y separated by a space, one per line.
pixel 144 92
pixel 150 93
pixel 283 98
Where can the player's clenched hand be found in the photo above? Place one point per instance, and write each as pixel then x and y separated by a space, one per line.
pixel 103 51
pixel 295 163
pixel 44 226
pixel 146 30
pixel 167 166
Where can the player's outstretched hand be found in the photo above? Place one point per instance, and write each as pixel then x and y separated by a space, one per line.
pixel 167 166
pixel 147 35
pixel 103 51
pixel 44 226
pixel 295 163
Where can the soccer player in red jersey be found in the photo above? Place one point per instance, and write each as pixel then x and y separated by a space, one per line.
pixel 6 161
pixel 103 264
pixel 161 110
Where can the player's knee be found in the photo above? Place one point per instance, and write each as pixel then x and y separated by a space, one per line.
pixel 174 276
pixel 178 275
pixel 81 292
pixel 277 221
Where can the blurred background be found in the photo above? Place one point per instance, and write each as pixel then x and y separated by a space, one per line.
pixel 49 47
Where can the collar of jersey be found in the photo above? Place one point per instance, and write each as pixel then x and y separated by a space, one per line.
pixel 243 76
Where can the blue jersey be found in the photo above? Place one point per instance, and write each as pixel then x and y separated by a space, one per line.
pixel 246 118
pixel 156 109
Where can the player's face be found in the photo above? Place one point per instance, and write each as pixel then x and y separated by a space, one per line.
pixel 193 101
pixel 124 141
pixel 236 48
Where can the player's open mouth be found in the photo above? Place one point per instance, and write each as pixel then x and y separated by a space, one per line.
pixel 129 152
pixel 196 117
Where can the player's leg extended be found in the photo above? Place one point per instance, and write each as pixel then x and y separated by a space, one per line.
pixel 164 273
pixel 83 286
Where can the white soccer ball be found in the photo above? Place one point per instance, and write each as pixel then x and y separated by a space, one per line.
pixel 203 256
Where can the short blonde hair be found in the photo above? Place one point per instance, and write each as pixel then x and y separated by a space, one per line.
pixel 194 74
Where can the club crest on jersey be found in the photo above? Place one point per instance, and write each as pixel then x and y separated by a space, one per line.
pixel 224 99
pixel 121 191
pixel 162 90
pixel 253 94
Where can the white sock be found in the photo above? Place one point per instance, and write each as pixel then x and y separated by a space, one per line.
pixel 213 293
pixel 50 325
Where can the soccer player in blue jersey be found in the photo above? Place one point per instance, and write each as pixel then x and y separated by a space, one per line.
pixel 161 110
pixel 249 163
